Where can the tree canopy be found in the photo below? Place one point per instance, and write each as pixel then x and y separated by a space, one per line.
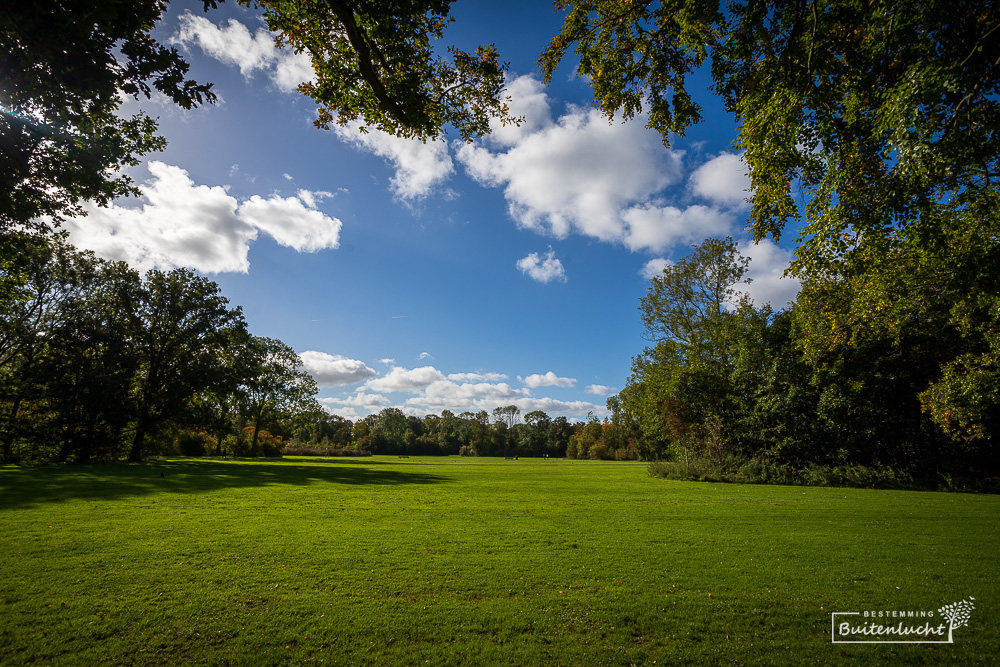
pixel 375 61
pixel 65 67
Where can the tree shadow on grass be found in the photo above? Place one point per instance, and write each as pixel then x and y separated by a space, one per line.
pixel 25 487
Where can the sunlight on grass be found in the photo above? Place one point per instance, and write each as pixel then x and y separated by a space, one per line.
pixel 541 562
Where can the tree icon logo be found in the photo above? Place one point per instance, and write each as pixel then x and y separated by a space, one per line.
pixel 958 614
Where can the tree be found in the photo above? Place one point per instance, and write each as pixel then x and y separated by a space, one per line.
pixel 273 385
pixel 687 303
pixel 374 61
pixel 508 415
pixel 682 388
pixel 388 431
pixel 48 303
pixel 65 68
pixel 178 324
pixel 876 111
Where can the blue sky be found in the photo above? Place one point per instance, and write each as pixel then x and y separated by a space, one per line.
pixel 428 276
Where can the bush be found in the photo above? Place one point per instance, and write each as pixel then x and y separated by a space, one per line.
pixel 467 450
pixel 740 470
pixel 600 452
pixel 293 450
pixel 190 443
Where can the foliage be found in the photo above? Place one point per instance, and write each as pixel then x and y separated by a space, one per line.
pixel 376 62
pixel 837 99
pixel 273 386
pixel 863 372
pixel 741 470
pixel 192 443
pixel 66 67
pixel 178 325
pixel 97 363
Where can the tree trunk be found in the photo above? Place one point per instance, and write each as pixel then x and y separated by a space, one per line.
pixel 8 441
pixel 256 432
pixel 135 455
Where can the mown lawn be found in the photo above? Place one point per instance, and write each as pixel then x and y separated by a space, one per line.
pixel 472 561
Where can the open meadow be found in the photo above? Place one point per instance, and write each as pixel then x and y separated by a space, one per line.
pixel 475 561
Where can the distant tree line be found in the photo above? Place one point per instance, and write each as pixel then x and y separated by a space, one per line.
pixel 503 432
pixel 100 363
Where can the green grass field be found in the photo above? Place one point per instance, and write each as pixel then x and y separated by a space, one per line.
pixel 473 561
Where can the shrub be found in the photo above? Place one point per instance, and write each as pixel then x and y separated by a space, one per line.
pixel 293 450
pixel 763 471
pixel 190 443
pixel 600 452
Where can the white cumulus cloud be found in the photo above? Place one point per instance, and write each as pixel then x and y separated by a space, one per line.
pixel 656 228
pixel 232 44
pixel 722 180
pixel 654 267
pixel 362 400
pixel 582 173
pixel 600 390
pixel 576 174
pixel 179 223
pixel 331 370
pixel 767 266
pixel 403 379
pixel 419 166
pixel 541 269
pixel 476 377
pixel 550 379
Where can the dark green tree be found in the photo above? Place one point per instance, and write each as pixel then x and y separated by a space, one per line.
pixel 273 385
pixel 178 326
pixel 375 61
pixel 65 68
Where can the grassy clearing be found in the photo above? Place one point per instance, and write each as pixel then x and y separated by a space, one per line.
pixel 446 561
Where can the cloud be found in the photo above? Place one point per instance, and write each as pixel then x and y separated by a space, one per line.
pixel 446 392
pixel 360 400
pixel 387 361
pixel 233 45
pixel 497 397
pixel 576 174
pixel 430 391
pixel 722 180
pixel 528 101
pixel 201 227
pixel 601 390
pixel 420 166
pixel 550 379
pixel 402 379
pixel 542 270
pixel 331 370
pixel 659 227
pixel 424 355
pixel 292 221
pixel 768 263
pixel 654 267
pixel 583 174
pixel 335 407
pixel 476 377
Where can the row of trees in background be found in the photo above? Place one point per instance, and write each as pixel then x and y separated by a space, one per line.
pixel 504 432
pixel 98 362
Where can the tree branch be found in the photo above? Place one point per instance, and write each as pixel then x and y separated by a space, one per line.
pixel 356 35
